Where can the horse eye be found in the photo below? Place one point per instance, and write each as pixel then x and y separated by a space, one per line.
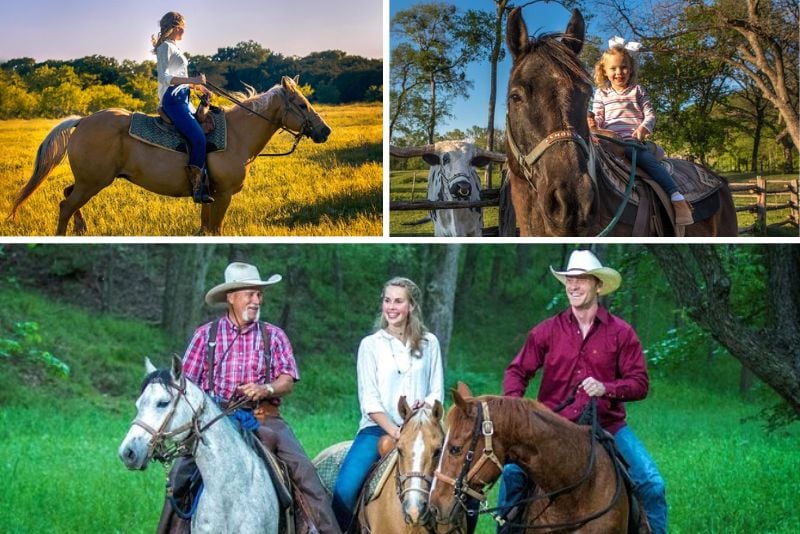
pixel 437 452
pixel 446 159
pixel 515 98
pixel 455 451
pixel 162 404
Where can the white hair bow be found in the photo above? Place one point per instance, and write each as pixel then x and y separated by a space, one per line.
pixel 632 46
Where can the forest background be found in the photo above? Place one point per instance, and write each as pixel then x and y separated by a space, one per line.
pixel 56 88
pixel 719 325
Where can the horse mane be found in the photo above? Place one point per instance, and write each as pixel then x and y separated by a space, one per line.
pixel 258 102
pixel 550 44
pixel 419 417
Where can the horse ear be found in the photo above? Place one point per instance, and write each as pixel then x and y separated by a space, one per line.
pixel 437 410
pixel 516 34
pixel 403 408
pixel 148 366
pixel 463 389
pixel 460 396
pixel 576 31
pixel 296 79
pixel 177 367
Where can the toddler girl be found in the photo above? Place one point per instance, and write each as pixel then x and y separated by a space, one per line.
pixel 622 106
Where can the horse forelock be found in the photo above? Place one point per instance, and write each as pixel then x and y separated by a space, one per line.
pixel 550 45
pixel 159 376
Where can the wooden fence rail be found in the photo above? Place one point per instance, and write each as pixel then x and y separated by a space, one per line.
pixel 757 189
pixel 760 207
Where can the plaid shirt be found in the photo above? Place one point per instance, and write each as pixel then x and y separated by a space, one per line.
pixel 239 357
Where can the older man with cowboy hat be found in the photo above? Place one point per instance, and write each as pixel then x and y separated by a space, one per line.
pixel 239 355
pixel 588 352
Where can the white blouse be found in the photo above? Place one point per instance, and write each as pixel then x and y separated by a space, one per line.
pixel 170 62
pixel 387 371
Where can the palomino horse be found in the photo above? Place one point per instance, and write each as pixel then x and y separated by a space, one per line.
pixel 405 510
pixel 175 417
pixel 557 188
pixel 100 150
pixel 578 486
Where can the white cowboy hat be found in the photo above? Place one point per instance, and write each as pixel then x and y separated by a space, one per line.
pixel 238 275
pixel 583 262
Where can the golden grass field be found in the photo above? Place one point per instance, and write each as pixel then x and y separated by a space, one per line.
pixel 330 189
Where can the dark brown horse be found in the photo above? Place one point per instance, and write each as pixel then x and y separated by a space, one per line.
pixel 557 188
pixel 578 488
pixel 101 150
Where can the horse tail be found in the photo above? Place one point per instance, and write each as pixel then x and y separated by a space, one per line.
pixel 51 152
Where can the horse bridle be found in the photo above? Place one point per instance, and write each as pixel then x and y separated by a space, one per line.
pixel 467 476
pixel 527 161
pixel 462 489
pixel 306 127
pixel 158 449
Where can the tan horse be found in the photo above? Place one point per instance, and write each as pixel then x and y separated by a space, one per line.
pixel 578 487
pixel 100 150
pixel 402 507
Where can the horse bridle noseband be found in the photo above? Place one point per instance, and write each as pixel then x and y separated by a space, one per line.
pixel 527 161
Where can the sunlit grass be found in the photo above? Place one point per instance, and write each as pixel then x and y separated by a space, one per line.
pixel 330 189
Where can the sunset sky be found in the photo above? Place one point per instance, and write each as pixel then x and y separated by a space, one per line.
pixel 55 29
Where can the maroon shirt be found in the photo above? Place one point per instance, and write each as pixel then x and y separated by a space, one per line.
pixel 611 353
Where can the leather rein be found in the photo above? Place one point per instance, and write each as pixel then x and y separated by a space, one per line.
pixel 288 107
pixel 466 478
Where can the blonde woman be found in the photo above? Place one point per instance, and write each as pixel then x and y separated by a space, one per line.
pixel 174 85
pixel 401 358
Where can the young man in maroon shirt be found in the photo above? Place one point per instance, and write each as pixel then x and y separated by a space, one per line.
pixel 588 352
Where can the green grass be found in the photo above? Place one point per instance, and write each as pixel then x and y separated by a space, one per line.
pixel 59 438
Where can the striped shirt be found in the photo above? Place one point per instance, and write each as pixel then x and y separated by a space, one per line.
pixel 239 357
pixel 623 112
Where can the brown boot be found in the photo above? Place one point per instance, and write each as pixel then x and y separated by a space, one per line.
pixel 683 212
pixel 199 182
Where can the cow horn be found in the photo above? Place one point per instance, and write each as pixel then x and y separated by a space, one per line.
pixel 499 157
pixel 410 151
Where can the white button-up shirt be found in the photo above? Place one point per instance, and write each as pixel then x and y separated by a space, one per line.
pixel 387 370
pixel 170 62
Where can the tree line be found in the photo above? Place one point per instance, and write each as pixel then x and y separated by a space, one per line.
pixel 723 76
pixel 55 88
pixel 686 302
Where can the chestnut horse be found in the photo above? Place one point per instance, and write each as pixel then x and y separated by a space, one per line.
pixel 556 187
pixel 100 150
pixel 578 488
pixel 402 507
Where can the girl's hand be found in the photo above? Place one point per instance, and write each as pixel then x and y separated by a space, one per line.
pixel 640 133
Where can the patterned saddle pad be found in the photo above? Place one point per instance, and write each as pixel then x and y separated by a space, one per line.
pixel 153 131
pixel 329 461
pixel 698 184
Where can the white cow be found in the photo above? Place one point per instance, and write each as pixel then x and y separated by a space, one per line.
pixel 452 177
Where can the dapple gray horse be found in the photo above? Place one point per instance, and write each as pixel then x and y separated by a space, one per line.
pixel 174 416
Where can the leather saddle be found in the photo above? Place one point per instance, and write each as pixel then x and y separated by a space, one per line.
pixel 649 207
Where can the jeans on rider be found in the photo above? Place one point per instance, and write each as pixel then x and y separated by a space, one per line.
pixel 648 482
pixel 175 103
pixel 647 161
pixel 353 472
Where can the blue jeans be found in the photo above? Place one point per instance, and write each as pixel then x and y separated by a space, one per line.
pixel 648 483
pixel 647 161
pixel 355 468
pixel 176 106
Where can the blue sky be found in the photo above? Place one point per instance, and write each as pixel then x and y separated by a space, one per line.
pixel 58 29
pixel 540 17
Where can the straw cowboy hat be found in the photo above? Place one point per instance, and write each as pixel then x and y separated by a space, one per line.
pixel 238 275
pixel 583 262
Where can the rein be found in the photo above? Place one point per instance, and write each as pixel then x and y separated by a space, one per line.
pixel 288 107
